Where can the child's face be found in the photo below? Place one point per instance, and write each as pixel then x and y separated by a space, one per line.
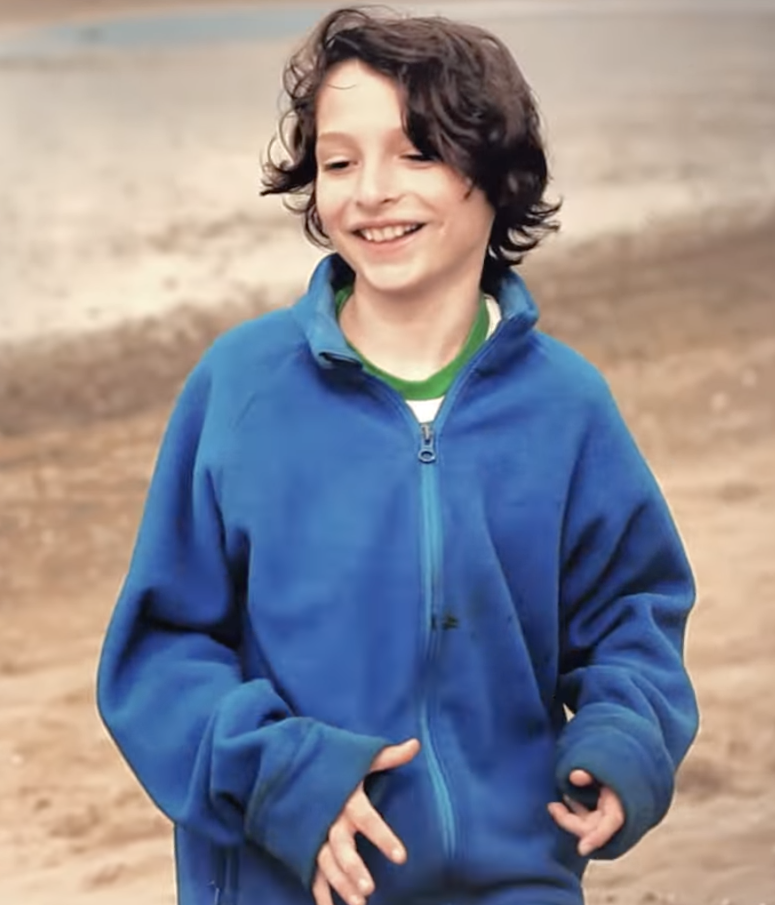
pixel 370 176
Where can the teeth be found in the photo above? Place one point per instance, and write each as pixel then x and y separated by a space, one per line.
pixel 388 233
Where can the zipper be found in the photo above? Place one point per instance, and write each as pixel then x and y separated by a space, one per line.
pixel 225 883
pixel 220 873
pixel 431 576
pixel 431 561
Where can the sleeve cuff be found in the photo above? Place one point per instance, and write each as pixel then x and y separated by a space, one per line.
pixel 642 777
pixel 291 819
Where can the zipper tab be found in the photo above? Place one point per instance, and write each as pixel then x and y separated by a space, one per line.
pixel 427 454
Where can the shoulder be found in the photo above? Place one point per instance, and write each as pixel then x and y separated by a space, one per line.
pixel 242 362
pixel 556 370
pixel 588 409
pixel 567 374
pixel 258 343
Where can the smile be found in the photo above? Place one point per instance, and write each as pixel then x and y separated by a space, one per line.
pixel 389 233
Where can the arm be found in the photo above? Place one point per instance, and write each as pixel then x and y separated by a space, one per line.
pixel 626 593
pixel 220 755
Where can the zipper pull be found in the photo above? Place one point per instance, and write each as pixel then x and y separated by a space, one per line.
pixel 427 454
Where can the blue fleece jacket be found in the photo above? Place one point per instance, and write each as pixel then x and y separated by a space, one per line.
pixel 316 577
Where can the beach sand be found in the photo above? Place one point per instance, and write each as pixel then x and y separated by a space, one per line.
pixel 680 318
pixel 682 325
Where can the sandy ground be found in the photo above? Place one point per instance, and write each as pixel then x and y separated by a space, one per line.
pixel 682 321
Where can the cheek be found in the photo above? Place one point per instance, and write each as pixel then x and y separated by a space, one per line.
pixel 478 213
pixel 448 191
pixel 330 201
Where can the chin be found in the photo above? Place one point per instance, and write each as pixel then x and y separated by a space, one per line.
pixel 393 280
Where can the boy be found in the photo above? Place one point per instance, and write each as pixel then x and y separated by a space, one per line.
pixel 395 531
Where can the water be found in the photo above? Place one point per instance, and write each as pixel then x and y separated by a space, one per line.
pixel 238 24
pixel 163 30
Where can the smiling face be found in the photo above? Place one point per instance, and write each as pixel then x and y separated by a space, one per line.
pixel 408 226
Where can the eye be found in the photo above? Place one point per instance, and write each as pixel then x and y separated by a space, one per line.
pixel 336 165
pixel 419 157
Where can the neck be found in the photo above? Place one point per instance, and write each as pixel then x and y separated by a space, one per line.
pixel 410 337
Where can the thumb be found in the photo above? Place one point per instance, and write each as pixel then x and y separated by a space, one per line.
pixel 581 778
pixel 395 755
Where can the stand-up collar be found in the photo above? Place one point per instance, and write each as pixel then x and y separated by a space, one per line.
pixel 316 313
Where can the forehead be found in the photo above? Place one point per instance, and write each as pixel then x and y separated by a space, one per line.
pixel 356 99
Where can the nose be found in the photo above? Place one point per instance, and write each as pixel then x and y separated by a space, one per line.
pixel 375 184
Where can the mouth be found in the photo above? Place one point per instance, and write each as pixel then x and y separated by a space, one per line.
pixel 389 236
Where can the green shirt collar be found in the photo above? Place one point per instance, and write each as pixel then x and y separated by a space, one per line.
pixel 435 386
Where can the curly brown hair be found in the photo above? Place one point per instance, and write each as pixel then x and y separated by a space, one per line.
pixel 466 103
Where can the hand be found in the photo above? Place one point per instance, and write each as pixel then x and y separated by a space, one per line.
pixel 339 864
pixel 594 828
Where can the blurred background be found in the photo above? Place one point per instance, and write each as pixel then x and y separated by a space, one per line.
pixel 132 233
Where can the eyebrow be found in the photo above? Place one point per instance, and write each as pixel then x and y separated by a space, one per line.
pixel 344 136
pixel 334 136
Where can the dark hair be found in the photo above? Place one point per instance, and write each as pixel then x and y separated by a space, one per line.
pixel 465 103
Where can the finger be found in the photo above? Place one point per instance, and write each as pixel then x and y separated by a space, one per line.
pixel 575 806
pixel 321 891
pixel 572 823
pixel 395 756
pixel 337 878
pixel 581 778
pixel 342 845
pixel 367 820
pixel 599 835
pixel 611 821
pixel 610 803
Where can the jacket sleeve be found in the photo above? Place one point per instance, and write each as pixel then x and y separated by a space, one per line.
pixel 220 755
pixel 626 592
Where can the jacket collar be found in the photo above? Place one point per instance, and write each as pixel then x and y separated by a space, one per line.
pixel 316 314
